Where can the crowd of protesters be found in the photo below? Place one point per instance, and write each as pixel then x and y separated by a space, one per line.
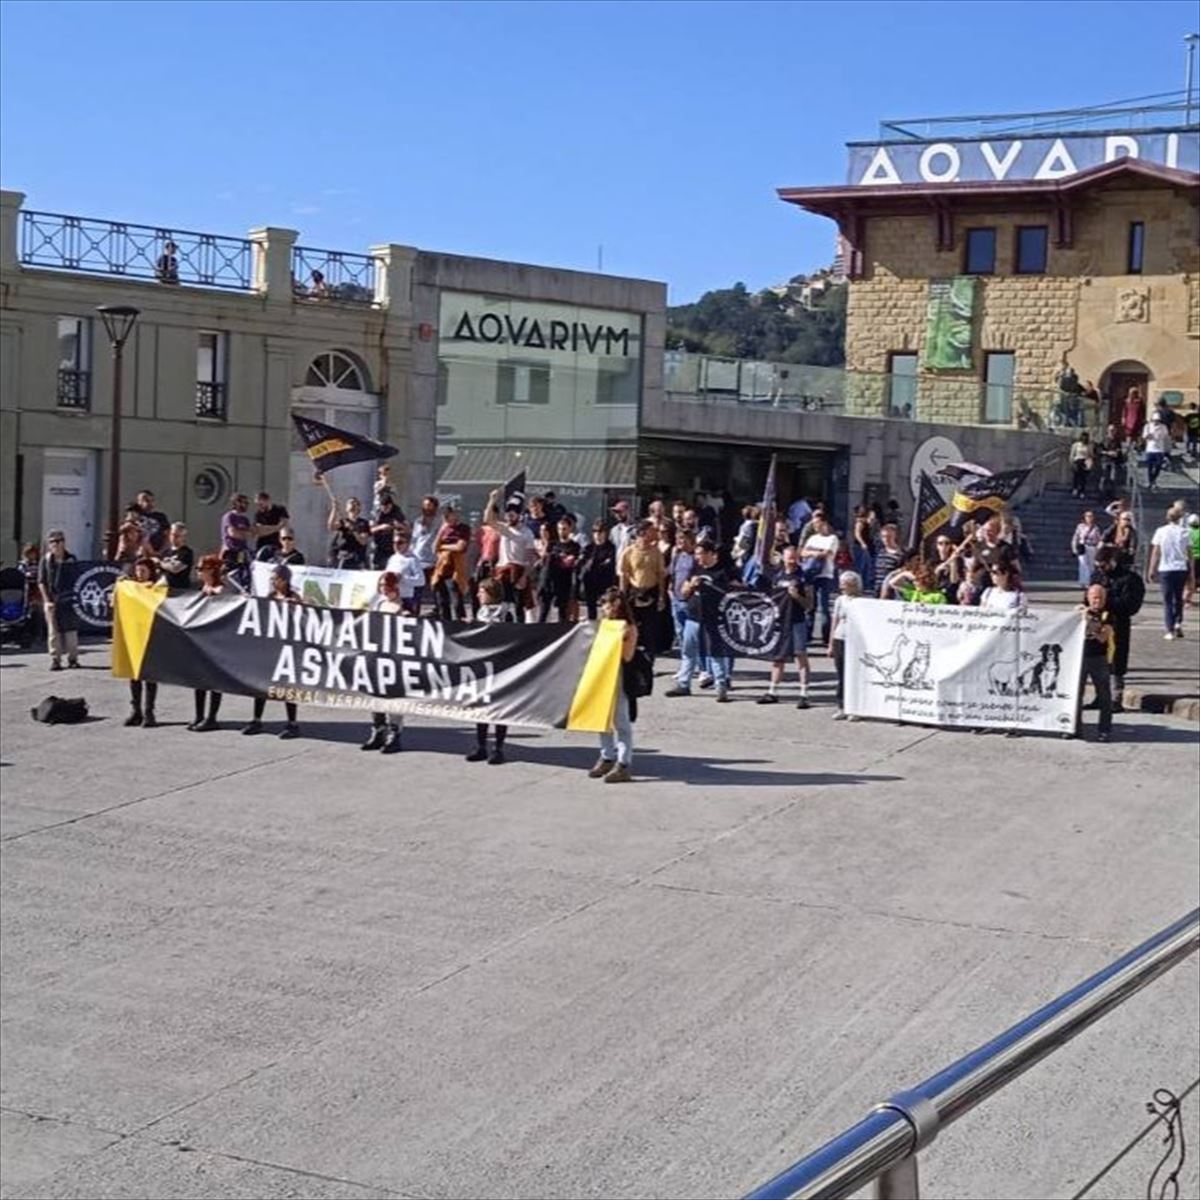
pixel 530 561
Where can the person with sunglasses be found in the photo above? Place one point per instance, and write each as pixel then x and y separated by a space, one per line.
pixel 285 553
pixel 1004 594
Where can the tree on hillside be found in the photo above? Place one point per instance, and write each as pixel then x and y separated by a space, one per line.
pixel 734 323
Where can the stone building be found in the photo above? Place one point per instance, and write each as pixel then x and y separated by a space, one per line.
pixel 968 295
pixel 234 335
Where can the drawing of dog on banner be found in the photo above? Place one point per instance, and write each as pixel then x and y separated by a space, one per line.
pixel 1032 675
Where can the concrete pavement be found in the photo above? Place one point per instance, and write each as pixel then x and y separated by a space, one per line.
pixel 244 967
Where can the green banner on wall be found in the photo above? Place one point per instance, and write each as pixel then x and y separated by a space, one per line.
pixel 950 324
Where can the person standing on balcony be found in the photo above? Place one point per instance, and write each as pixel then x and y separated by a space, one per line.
pixel 166 269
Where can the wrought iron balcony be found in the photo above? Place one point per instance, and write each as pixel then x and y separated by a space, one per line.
pixel 74 389
pixel 210 400
pixel 170 256
pixel 330 276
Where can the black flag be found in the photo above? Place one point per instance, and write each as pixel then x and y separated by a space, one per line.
pixel 990 494
pixel 931 514
pixel 329 447
pixel 514 491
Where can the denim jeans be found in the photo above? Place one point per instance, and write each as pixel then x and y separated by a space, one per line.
pixel 694 657
pixel 617 744
pixel 1155 461
pixel 1172 584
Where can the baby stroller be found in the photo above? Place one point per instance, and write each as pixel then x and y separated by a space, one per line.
pixel 16 613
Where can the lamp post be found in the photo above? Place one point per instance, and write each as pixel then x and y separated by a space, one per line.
pixel 118 322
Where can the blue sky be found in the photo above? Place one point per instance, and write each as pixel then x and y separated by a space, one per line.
pixel 536 132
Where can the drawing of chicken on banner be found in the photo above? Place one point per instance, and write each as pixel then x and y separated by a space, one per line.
pixel 757 564
pixel 961 667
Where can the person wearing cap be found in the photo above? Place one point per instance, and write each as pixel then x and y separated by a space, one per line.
pixel 621 530
pixel 56 582
pixel 281 592
pixel 516 552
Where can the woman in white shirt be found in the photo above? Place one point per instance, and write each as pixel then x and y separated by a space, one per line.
pixel 822 546
pixel 1005 594
pixel 1085 541
pixel 1158 446
pixel 407 568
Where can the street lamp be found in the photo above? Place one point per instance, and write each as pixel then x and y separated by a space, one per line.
pixel 118 322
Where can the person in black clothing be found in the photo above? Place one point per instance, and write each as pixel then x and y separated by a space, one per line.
pixel 281 593
pixel 1125 591
pixel 385 520
pixel 1098 637
pixel 284 552
pixel 175 562
pixel 212 583
pixel 269 520
pixel 557 588
pixel 597 569
pixel 56 582
pixel 154 523
pixel 1112 462
pixel 351 533
pixel 554 511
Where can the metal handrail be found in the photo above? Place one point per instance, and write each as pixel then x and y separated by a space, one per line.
pixel 883 1146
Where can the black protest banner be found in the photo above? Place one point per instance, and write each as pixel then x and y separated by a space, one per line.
pixel 85 595
pixel 744 623
pixel 989 495
pixel 554 676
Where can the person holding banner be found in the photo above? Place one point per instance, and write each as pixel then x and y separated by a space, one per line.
pixel 616 745
pixel 145 573
pixel 1097 650
pixel 211 584
pixel 692 650
pixel 850 587
pixel 490 609
pixel 281 593
pixel 385 733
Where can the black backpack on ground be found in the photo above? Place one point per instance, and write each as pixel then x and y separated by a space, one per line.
pixel 54 710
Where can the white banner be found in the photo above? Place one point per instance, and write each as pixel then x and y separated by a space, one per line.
pixel 329 587
pixel 955 666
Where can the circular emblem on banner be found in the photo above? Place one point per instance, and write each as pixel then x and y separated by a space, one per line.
pixel 931 456
pixel 749 622
pixel 94 595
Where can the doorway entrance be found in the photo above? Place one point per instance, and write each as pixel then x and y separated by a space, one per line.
pixel 1116 382
pixel 69 498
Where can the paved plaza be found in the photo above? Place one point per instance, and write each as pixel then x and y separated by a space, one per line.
pixel 248 967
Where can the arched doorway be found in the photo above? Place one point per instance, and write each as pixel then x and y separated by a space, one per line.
pixel 336 390
pixel 1116 382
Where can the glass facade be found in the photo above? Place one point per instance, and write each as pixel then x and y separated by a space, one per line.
pixel 552 389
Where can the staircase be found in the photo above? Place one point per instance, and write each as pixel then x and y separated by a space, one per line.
pixel 1049 520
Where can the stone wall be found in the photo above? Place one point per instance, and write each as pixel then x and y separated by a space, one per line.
pixel 1084 307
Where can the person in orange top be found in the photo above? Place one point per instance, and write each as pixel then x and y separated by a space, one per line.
pixel 642 571
pixel 450 567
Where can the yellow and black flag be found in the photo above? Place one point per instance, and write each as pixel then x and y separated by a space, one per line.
pixel 990 494
pixel 931 515
pixel 329 447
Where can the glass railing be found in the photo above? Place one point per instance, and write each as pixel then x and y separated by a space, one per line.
pixel 703 379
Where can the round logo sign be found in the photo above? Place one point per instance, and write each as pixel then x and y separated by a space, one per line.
pixel 931 456
pixel 749 622
pixel 94 595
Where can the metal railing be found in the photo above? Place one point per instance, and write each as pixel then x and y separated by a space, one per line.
pixel 210 400
pixel 332 276
pixel 74 389
pixel 171 257
pixel 883 1146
